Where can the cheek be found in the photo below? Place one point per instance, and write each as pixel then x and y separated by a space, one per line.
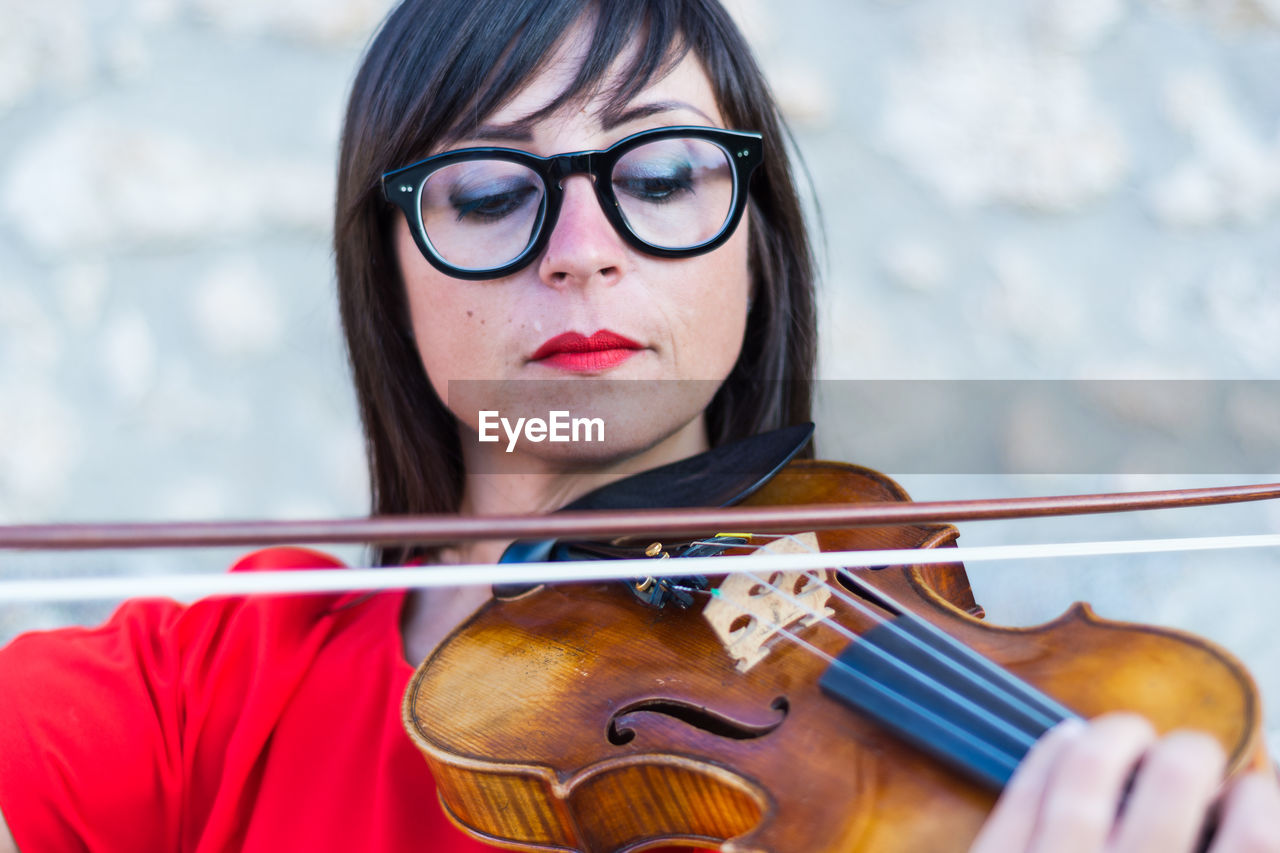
pixel 717 296
pixel 444 313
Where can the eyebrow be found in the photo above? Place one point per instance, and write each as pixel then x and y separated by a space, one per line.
pixel 521 130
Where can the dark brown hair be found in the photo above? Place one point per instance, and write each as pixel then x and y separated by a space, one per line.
pixel 435 70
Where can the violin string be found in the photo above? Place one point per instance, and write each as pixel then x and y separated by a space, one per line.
pixel 988 675
pixel 902 667
pixel 974 739
pixel 983 680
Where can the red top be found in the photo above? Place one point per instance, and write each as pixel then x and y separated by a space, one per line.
pixel 261 723
pixel 258 724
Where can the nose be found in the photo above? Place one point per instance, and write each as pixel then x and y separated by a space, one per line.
pixel 583 247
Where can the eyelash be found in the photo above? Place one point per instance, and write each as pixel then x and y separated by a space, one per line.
pixel 470 207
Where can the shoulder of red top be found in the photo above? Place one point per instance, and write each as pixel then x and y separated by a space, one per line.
pixel 285 558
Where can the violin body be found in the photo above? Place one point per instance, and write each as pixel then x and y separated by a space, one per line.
pixel 576 718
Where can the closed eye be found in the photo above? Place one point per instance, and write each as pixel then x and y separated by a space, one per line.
pixel 494 204
pixel 655 185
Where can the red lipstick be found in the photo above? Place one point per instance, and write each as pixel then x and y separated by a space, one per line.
pixel 574 352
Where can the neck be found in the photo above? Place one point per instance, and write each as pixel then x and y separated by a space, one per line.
pixel 519 484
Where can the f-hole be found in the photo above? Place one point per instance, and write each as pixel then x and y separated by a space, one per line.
pixel 700 718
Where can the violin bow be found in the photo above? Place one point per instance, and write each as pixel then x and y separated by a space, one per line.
pixel 436 529
pixel 585 524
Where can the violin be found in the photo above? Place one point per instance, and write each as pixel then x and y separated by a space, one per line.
pixel 865 710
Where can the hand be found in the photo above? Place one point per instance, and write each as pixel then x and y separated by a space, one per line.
pixel 1066 795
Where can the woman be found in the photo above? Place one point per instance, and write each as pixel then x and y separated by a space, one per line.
pixel 271 724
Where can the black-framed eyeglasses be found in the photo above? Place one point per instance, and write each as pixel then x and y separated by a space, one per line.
pixel 480 213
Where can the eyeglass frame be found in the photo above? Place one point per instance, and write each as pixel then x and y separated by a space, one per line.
pixel 401 187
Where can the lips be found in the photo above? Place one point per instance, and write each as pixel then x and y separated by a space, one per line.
pixel 574 352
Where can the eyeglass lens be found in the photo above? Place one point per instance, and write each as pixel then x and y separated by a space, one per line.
pixel 482 214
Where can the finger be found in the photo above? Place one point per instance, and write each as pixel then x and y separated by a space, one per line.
pixel 1171 795
pixel 1250 817
pixel 1012 821
pixel 1087 782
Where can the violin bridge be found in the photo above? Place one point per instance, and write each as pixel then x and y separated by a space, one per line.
pixel 746 614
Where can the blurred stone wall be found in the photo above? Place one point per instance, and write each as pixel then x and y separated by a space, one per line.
pixel 1010 189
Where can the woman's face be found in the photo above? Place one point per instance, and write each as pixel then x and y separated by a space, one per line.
pixel 670 319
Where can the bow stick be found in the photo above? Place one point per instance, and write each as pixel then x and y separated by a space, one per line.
pixel 435 529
